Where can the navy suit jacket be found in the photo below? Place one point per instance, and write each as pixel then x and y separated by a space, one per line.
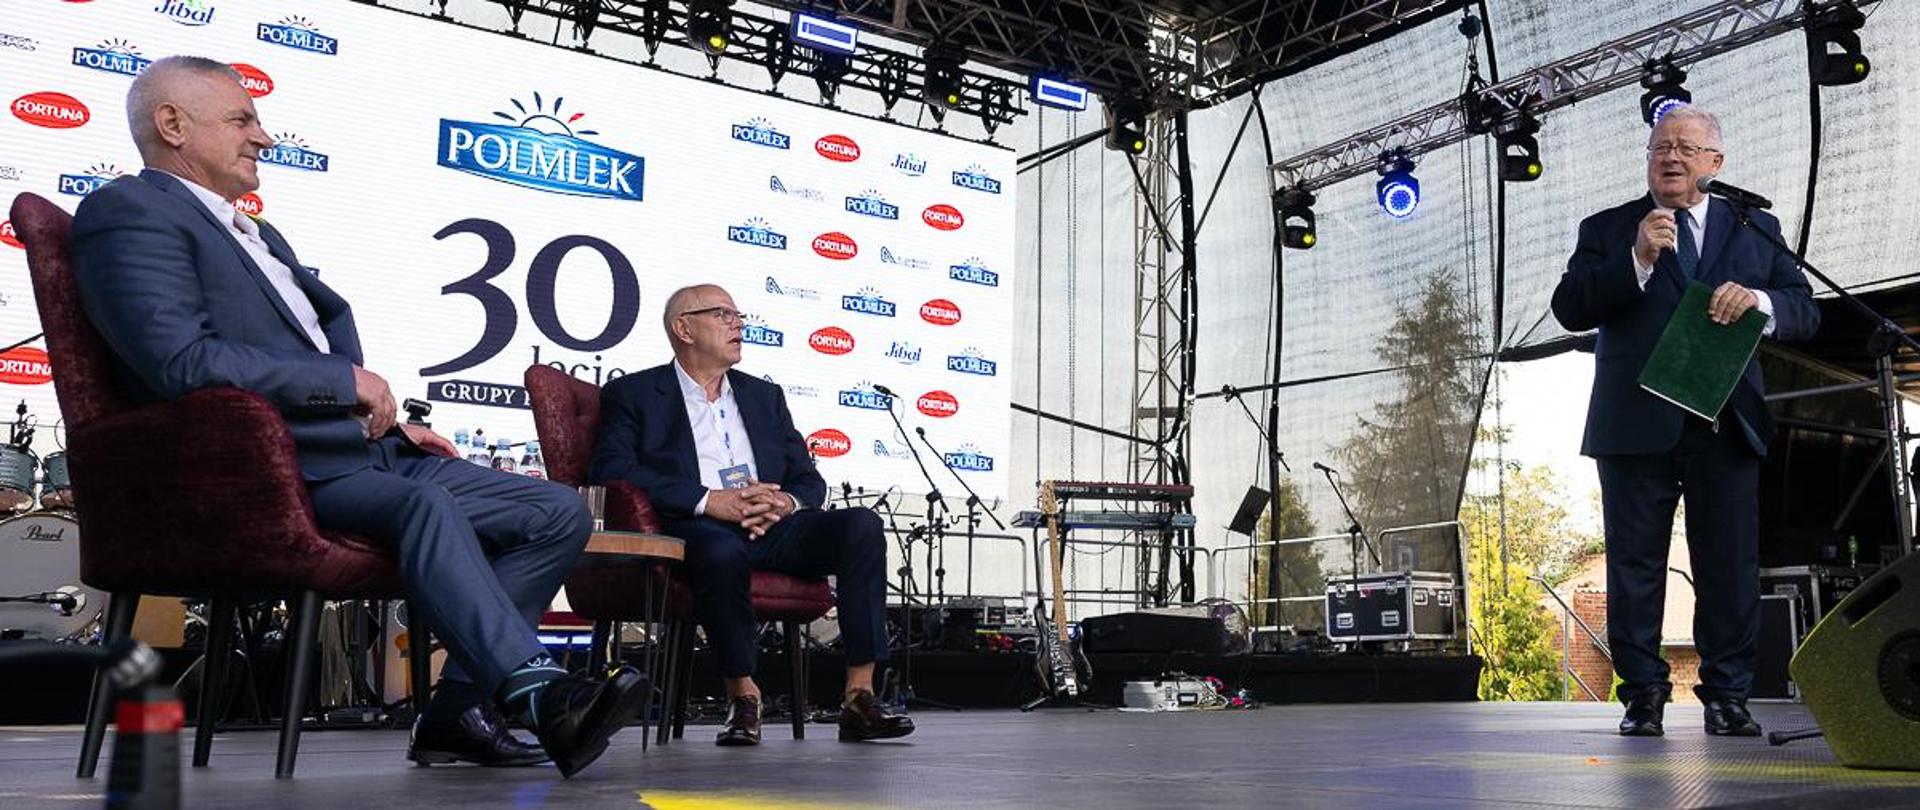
pixel 183 307
pixel 645 438
pixel 1600 291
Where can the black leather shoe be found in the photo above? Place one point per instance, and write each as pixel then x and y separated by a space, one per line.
pixel 575 715
pixel 861 719
pixel 479 735
pixel 1729 718
pixel 1645 713
pixel 743 722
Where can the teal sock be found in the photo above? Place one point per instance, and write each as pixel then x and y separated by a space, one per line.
pixel 523 684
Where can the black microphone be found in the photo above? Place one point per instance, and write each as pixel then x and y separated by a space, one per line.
pixel 1325 469
pixel 1708 184
pixel 883 389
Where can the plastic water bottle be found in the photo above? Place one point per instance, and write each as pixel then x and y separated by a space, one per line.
pixel 477 453
pixel 503 454
pixel 461 443
pixel 531 464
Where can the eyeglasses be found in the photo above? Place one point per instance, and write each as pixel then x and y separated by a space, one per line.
pixel 726 315
pixel 1684 150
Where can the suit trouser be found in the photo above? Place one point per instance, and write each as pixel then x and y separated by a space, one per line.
pixel 482 552
pixel 1719 474
pixel 847 543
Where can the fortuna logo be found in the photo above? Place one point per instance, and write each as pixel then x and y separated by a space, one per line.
pixel 288 150
pixel 938 404
pixel 831 340
pixel 300 34
pixel 829 443
pixel 943 217
pixel 186 12
pixel 113 56
pixel 257 82
pixel 870 204
pixel 756 331
pixel 543 152
pixel 972 271
pixel 25 365
pixel 862 396
pixel 80 185
pixel 802 293
pixel 970 458
pixel 976 178
pixel 910 164
pixel 8 237
pixel 836 245
pixel 867 301
pixel 940 312
pixel 970 361
pixel 758 233
pixel 51 110
pixel 837 148
pixel 906 353
pixel 760 132
pixel 250 204
pixel 797 192
pixel 887 256
pixel 884 449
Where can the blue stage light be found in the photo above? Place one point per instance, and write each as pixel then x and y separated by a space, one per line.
pixel 1055 93
pixel 1397 191
pixel 825 35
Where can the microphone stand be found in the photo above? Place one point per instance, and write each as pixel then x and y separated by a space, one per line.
pixel 1233 395
pixel 935 505
pixel 973 504
pixel 1355 534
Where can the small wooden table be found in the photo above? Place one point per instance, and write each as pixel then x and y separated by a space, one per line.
pixel 641 552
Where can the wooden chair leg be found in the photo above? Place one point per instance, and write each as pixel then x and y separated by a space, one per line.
pixel 213 676
pixel 797 652
pixel 300 664
pixel 120 610
pixel 419 658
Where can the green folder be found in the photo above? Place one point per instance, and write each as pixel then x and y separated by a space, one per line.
pixel 1697 362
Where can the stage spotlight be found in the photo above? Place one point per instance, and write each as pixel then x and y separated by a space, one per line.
pixel 942 82
pixel 1397 191
pixel 1663 81
pixel 710 25
pixel 828 69
pixel 1127 125
pixel 1295 205
pixel 1519 149
pixel 1830 26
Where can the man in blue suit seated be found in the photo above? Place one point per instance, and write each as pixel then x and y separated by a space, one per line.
pixel 190 293
pixel 1626 276
pixel 717 452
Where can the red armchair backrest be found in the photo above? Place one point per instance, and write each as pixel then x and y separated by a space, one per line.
pixel 82 364
pixel 566 415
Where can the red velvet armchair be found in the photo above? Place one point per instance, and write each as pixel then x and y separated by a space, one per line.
pixel 200 497
pixel 566 414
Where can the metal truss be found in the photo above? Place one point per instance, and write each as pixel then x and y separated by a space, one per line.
pixel 1684 40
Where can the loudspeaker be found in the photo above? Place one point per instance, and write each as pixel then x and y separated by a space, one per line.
pixel 1859 671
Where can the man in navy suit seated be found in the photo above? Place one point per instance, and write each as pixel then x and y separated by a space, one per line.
pixel 1626 276
pixel 717 452
pixel 189 293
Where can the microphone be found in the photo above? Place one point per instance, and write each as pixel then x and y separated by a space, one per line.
pixel 1708 184
pixel 1325 469
pixel 883 389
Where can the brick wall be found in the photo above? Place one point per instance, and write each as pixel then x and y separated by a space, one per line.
pixel 1597 671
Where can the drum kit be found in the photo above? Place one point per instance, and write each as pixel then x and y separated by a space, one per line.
pixel 41 595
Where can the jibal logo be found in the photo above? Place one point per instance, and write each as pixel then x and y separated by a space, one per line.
pixel 838 148
pixel 831 340
pixel 257 82
pixel 887 256
pixel 97 175
pixel 760 132
pixel 970 458
pixel 288 150
pixel 940 312
pixel 829 443
pixel 758 233
pixel 836 245
pixel 973 271
pixel 756 331
pixel 971 361
pixel 798 192
pixel 905 353
pixel 542 152
pixel 869 203
pixel 943 217
pixel 250 204
pixel 113 56
pixel 186 12
pixel 976 178
pixel 775 287
pixel 51 110
pixel 862 396
pixel 8 237
pixel 910 164
pixel 25 365
pixel 938 404
pixel 867 301
pixel 300 34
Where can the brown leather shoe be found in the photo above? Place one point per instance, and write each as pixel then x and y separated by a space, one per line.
pixel 861 720
pixel 743 722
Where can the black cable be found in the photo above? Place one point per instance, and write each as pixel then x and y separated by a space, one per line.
pixel 1813 152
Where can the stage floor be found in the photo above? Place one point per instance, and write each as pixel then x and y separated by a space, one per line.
pixel 1401 755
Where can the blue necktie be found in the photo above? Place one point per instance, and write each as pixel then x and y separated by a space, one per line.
pixel 1688 253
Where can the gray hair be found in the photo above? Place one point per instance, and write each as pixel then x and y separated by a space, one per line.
pixel 1695 112
pixel 151 89
pixel 674 303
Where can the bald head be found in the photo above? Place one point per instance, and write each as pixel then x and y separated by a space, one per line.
pixel 191 117
pixel 703 328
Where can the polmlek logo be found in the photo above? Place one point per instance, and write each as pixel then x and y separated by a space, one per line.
pixel 970 459
pixel 300 34
pixel 758 233
pixel 186 12
pixel 836 245
pixel 829 443
pixel 51 110
pixel 837 148
pixel 940 312
pixel 755 330
pixel 113 56
pixel 972 361
pixel 290 151
pixel 976 178
pixel 887 256
pixel 543 152
pixel 973 271
pixel 867 301
pixel 831 340
pixel 938 404
pixel 862 396
pixel 943 217
pixel 760 132
pixel 869 203
pixel 910 164
pixel 97 175
pixel 775 287
pixel 904 353
pixel 775 185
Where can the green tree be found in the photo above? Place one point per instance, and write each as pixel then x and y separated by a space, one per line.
pixel 1300 573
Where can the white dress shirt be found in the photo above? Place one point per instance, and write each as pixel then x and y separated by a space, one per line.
pixel 719 435
pixel 242 227
pixel 1696 221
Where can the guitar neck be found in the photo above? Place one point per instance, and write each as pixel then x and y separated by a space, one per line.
pixel 1051 505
